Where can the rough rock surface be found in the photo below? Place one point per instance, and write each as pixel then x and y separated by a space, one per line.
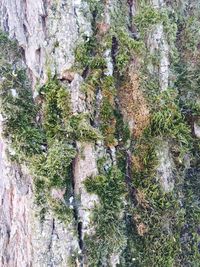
pixel 84 167
pixel 16 198
pixel 24 239
pixel 158 43
pixel 197 130
pixel 165 168
pixel 48 33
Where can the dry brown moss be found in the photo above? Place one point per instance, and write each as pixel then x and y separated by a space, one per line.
pixel 137 162
pixel 133 103
pixel 142 228
pixel 141 199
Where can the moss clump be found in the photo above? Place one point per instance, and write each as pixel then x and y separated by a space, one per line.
pixel 58 118
pixel 190 231
pixel 17 106
pixel 154 227
pixel 97 80
pixel 62 130
pixel 56 107
pixel 146 18
pixel 123 47
pixel 82 130
pixel 161 226
pixel 107 218
pixel 84 53
pixel 10 52
pixel 108 122
pixel 168 121
pixel 190 32
pixel 128 47
pixel 33 143
pixel 154 224
pixel 42 135
pixel 187 83
pixel 59 157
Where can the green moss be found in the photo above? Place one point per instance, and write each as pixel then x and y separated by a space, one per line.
pixel 83 53
pixel 190 247
pixel 107 217
pixel 168 121
pixel 82 130
pixel 61 210
pixel 108 122
pixel 112 184
pixel 56 107
pixel 9 49
pixel 127 48
pixel 18 111
pixel 154 226
pixel 191 33
pixel 46 145
pixel 187 82
pixel 59 157
pixel 146 18
pixel 96 67
pixel 170 26
pixel 155 220
pixel 58 118
pixel 123 133
pixel 62 130
pixel 92 82
pixel 40 197
pixel 96 8
pixel 96 79
pixel 52 171
pixel 172 237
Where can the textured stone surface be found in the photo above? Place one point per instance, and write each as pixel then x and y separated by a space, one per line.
pixel 77 97
pixel 53 243
pixel 197 130
pixel 24 240
pixel 15 197
pixel 84 167
pixel 165 167
pixel 47 31
pixel 158 44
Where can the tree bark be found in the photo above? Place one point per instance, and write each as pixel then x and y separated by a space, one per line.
pixel 110 135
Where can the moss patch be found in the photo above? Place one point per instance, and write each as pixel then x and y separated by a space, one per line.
pixel 42 134
pixel 109 237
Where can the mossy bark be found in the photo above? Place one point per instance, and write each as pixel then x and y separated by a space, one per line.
pixel 105 115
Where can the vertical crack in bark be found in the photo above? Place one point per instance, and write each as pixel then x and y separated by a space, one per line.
pixel 130 4
pixel 128 176
pixel 78 224
pixel 52 233
pixel 114 51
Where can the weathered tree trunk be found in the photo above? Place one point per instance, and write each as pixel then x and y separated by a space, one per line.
pixel 100 122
